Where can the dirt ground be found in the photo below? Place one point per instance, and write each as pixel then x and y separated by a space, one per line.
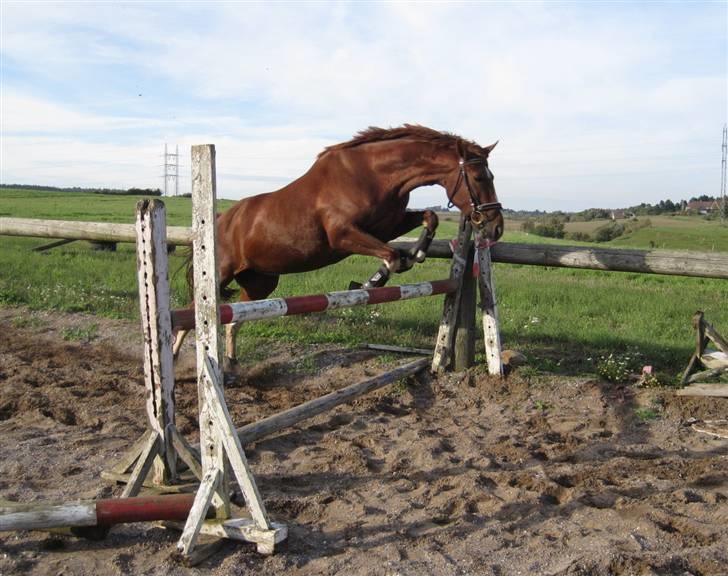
pixel 461 474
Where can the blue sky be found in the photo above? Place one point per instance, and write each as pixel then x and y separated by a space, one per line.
pixel 595 104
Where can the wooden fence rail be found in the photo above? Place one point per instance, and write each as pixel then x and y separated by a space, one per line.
pixel 670 262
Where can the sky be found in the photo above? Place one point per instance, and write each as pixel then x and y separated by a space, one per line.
pixel 594 104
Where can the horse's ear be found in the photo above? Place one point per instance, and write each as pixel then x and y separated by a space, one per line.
pixel 489 149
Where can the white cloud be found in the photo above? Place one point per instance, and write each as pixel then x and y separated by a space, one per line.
pixel 580 96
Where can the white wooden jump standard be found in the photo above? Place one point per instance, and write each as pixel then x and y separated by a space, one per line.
pixel 219 444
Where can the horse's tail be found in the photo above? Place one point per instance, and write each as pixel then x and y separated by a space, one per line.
pixel 225 292
pixel 189 276
pixel 187 264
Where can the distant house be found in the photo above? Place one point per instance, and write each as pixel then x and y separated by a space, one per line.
pixel 702 206
pixel 622 214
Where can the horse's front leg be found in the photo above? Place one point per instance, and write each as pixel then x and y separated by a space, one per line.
pixel 417 253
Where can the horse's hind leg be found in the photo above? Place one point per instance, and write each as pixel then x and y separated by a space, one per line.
pixel 253 286
pixel 179 338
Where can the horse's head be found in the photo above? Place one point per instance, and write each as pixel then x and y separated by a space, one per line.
pixel 473 191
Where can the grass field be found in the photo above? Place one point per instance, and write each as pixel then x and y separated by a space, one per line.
pixel 562 319
pixel 666 232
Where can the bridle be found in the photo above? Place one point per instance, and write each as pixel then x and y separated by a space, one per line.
pixel 478 215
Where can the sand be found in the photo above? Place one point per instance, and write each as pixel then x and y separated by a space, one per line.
pixel 457 474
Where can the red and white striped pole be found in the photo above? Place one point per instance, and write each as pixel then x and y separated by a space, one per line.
pixel 276 307
pixel 100 513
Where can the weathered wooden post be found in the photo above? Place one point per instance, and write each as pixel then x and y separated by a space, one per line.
pixel 491 331
pixel 444 345
pixel 464 347
pixel 160 446
pixel 219 443
pixel 153 284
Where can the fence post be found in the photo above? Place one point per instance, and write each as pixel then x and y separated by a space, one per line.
pixel 220 447
pixel 491 332
pixel 464 348
pixel 153 283
pixel 443 354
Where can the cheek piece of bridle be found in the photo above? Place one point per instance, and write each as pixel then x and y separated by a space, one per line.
pixel 478 215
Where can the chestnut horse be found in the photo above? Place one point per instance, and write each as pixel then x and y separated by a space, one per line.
pixel 353 200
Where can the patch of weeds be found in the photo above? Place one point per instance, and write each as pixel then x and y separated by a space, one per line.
pixel 358 315
pixel 386 358
pixel 251 350
pixel 541 405
pixel 80 333
pixel 27 322
pixel 618 367
pixel 528 372
pixel 548 364
pixel 398 388
pixel 646 414
pixel 306 365
pixel 650 379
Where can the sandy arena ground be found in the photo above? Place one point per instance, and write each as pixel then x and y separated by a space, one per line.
pixel 461 474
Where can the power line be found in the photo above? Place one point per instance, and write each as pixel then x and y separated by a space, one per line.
pixel 171 169
pixel 724 148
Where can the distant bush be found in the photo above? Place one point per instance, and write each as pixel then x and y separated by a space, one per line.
pixel 143 192
pixel 111 191
pixel 579 236
pixel 635 224
pixel 608 232
pixel 548 227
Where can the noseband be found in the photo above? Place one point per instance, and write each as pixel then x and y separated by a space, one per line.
pixel 477 216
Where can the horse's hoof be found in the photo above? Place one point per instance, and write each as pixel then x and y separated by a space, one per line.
pixel 355 285
pixel 229 364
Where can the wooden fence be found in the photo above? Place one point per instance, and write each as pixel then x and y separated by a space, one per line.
pixel 670 262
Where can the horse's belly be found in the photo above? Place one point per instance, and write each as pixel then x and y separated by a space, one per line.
pixel 296 251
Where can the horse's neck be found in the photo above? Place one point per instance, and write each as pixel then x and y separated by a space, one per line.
pixel 411 165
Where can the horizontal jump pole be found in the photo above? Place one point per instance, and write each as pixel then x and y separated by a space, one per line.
pixel 670 262
pixel 257 430
pixel 276 307
pixel 104 512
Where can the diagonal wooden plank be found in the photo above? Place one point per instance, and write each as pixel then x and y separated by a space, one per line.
pixel 143 466
pixel 225 429
pixel 197 515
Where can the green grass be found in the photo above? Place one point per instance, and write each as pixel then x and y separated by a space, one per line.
pixel 564 320
pixel 81 333
pixel 86 207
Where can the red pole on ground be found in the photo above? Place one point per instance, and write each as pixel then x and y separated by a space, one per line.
pixel 100 513
pixel 143 509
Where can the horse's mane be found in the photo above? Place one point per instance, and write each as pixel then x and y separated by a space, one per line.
pixel 374 134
